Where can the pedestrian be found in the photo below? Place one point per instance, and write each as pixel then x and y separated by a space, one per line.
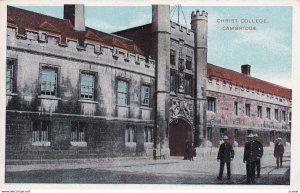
pixel 251 155
pixel 186 150
pixel 191 152
pixel 260 154
pixel 225 155
pixel 278 152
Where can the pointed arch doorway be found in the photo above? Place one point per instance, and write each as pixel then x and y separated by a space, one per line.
pixel 180 130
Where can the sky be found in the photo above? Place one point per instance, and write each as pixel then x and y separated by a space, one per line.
pixel 268 49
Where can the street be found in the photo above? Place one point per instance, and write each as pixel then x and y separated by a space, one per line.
pixel 203 170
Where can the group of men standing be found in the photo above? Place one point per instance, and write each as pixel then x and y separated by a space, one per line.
pixel 253 152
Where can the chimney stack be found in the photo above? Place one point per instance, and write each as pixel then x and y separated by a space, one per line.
pixel 75 13
pixel 246 69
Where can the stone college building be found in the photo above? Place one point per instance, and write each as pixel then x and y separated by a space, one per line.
pixel 76 92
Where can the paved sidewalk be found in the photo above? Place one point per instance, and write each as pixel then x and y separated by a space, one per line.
pixel 201 166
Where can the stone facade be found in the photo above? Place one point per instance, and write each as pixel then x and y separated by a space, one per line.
pixel 158 70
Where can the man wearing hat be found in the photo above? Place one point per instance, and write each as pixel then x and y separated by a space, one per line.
pixel 260 154
pixel 278 151
pixel 251 155
pixel 225 155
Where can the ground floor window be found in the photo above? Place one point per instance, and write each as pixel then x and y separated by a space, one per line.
pixel 41 131
pixel 78 132
pixel 209 134
pixel 235 135
pixel 223 132
pixel 130 134
pixel 148 135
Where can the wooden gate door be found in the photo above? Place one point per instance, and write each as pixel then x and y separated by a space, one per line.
pixel 180 132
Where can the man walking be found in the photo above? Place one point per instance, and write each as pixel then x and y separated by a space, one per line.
pixel 278 152
pixel 251 155
pixel 260 154
pixel 225 155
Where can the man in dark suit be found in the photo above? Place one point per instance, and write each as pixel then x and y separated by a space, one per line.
pixel 260 154
pixel 278 152
pixel 225 155
pixel 251 155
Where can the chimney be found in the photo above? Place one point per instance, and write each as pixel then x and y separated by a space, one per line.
pixel 246 69
pixel 75 13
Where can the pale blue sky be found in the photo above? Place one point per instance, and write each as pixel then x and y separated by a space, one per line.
pixel 267 49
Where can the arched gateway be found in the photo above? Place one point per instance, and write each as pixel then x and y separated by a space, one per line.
pixel 180 131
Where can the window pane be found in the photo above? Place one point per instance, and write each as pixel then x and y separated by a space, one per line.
pixel 87 86
pixel 48 81
pixel 9 75
pixel 122 93
pixel 145 95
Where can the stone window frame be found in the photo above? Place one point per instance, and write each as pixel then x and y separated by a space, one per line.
pixel 268 112
pixel 148 130
pixel 222 132
pixel 41 136
pixel 130 135
pixel 175 85
pixel 172 57
pixel 13 75
pixel 189 62
pixel 146 104
pixel 211 104
pixel 276 114
pixel 248 109
pixel 259 111
pixel 209 134
pixel 283 115
pixel 89 73
pixel 190 90
pixel 235 108
pixel 55 68
pixel 120 79
pixel 77 137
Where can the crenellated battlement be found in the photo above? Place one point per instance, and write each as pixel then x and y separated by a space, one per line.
pixel 180 28
pixel 203 15
pixel 35 39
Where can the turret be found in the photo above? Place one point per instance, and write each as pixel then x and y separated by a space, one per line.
pixel 199 22
pixel 161 52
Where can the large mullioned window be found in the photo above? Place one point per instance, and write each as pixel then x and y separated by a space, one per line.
pixel 49 81
pixel 145 95
pixel 122 93
pixel 41 131
pixel 130 134
pixel 148 135
pixel 87 86
pixel 78 132
pixel 10 75
pixel 211 104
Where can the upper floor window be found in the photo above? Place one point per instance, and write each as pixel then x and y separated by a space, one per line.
pixel 145 95
pixel 188 62
pixel 259 111
pixel 122 92
pixel 78 132
pixel 172 57
pixel 276 114
pixel 172 82
pixel 211 104
pixel 283 116
pixel 49 81
pixel 209 133
pixel 41 131
pixel 247 107
pixel 188 85
pixel 148 135
pixel 235 107
pixel 268 113
pixel 87 86
pixel 10 75
pixel 130 135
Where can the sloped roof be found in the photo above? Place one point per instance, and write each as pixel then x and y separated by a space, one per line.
pixel 245 81
pixel 27 20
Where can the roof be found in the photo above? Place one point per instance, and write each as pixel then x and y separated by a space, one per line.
pixel 23 20
pixel 245 81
